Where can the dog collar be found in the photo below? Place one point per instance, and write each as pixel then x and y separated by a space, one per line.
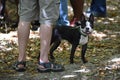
pixel 82 33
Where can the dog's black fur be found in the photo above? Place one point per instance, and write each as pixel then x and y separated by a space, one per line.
pixel 73 35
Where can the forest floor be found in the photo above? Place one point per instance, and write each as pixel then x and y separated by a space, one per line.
pixel 103 54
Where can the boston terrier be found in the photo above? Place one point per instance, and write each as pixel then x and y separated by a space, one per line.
pixel 75 35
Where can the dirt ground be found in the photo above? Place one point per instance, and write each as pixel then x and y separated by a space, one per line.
pixel 103 53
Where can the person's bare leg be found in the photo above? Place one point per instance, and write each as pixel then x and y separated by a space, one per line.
pixel 45 39
pixel 77 6
pixel 23 36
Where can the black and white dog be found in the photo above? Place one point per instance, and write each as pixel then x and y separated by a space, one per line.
pixel 75 35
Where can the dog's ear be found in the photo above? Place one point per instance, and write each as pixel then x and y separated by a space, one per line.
pixel 77 23
pixel 82 17
pixel 91 18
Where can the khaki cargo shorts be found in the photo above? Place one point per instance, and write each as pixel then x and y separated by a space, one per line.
pixel 47 11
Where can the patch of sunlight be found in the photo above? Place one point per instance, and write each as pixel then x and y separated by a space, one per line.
pixel 70 11
pixel 8 49
pixel 111 7
pixel 111 19
pixel 28 58
pixel 34 34
pixel 12 36
pixel 69 76
pixel 60 48
pixel 106 22
pixel 83 70
pixel 113 64
pixel 115 60
pixel 20 74
pixel 99 20
pixel 5 48
pixel 98 35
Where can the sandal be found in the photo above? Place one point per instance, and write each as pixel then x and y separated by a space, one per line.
pixel 47 67
pixel 20 66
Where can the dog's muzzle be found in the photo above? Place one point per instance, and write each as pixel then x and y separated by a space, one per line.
pixel 86 31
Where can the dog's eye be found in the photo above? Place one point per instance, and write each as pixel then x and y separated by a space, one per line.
pixel 83 24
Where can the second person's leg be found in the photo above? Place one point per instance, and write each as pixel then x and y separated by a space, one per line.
pixel 77 6
pixel 63 18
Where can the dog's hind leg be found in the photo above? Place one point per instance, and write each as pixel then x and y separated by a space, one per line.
pixel 84 48
pixel 72 53
pixel 54 47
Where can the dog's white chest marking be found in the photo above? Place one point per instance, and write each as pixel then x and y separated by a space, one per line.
pixel 83 40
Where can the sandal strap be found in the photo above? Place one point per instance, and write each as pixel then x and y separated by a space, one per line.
pixel 21 63
pixel 51 66
pixel 15 66
pixel 46 65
